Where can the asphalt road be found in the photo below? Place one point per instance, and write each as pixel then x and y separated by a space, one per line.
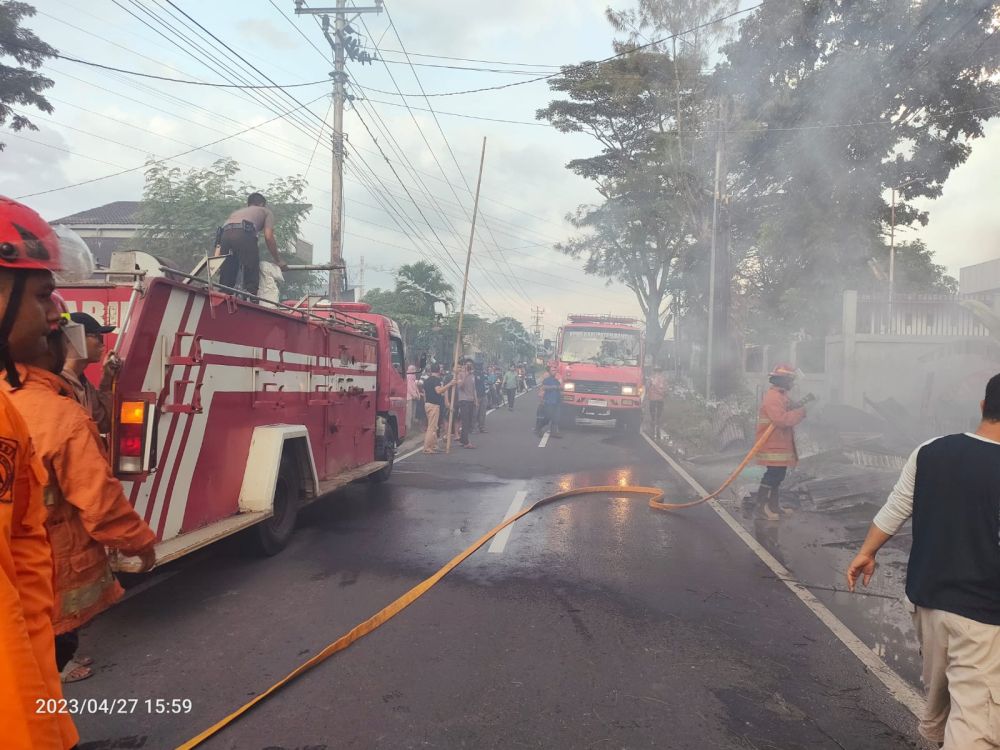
pixel 598 623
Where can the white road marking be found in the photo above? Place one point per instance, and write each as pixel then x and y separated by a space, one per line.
pixel 896 685
pixel 500 540
pixel 544 441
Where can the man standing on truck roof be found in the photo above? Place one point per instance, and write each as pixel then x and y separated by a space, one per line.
pixel 237 240
pixel 97 401
pixel 29 252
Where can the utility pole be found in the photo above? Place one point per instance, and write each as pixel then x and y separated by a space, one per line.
pixel 361 279
pixel 710 345
pixel 344 45
pixel 538 312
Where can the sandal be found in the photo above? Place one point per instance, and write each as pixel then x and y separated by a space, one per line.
pixel 73 672
pixel 83 661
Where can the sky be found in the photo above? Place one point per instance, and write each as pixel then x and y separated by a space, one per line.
pixel 105 122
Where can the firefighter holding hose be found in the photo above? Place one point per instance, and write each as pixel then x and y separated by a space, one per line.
pixel 778 452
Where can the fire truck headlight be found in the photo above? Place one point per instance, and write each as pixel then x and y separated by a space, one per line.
pixel 628 390
pixel 569 386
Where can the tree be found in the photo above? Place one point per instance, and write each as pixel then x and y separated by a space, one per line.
pixel 20 85
pixel 640 233
pixel 426 285
pixel 181 211
pixel 836 102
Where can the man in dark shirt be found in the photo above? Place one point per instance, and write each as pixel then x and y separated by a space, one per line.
pixel 551 396
pixel 468 401
pixel 434 391
pixel 951 488
pixel 237 240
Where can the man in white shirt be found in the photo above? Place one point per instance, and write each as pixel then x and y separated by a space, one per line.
pixel 950 486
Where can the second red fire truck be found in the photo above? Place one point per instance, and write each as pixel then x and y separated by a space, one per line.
pixel 599 360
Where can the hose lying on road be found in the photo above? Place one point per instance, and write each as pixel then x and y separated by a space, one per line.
pixel 387 613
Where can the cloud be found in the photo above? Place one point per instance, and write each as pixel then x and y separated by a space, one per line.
pixel 266 32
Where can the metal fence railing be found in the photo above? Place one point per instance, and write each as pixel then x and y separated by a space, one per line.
pixel 916 315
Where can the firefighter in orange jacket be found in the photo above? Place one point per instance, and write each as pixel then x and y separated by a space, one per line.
pixel 29 681
pixel 87 509
pixel 778 453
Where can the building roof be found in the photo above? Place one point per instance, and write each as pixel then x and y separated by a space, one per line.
pixel 119 212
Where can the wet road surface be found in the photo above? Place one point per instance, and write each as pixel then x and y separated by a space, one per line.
pixel 597 623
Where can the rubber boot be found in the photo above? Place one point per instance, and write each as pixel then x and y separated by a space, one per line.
pixel 764 503
pixel 776 504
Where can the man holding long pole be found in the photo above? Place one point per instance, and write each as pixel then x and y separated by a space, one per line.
pixel 465 286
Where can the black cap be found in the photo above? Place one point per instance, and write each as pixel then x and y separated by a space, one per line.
pixel 90 324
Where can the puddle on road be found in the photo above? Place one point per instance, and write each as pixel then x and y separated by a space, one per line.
pixel 817 548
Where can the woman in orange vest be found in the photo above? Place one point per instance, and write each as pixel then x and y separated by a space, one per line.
pixel 778 453
pixel 29 682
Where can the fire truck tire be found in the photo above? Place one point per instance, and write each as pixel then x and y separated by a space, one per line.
pixel 388 453
pixel 274 533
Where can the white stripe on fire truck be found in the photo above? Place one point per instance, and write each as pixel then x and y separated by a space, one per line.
pixel 174 451
pixel 155 381
pixel 229 349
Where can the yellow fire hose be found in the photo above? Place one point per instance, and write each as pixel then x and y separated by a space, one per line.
pixel 393 609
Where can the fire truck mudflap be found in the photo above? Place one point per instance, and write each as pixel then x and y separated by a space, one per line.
pixel 231 414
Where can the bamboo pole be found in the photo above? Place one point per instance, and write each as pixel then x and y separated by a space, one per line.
pixel 461 309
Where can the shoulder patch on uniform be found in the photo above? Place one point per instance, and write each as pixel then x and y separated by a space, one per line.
pixel 8 457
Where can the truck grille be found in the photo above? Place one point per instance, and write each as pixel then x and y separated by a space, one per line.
pixel 598 388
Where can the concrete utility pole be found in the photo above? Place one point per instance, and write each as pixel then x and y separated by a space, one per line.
pixel 343 45
pixel 710 344
pixel 361 279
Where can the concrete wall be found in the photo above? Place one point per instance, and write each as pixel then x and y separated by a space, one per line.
pixel 937 378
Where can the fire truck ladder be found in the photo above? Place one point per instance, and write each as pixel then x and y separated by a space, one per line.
pixel 194 365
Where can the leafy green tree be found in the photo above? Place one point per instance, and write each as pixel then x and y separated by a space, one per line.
pixel 641 233
pixel 20 85
pixel 424 283
pixel 182 209
pixel 836 102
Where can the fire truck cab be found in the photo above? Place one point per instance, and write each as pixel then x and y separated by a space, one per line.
pixel 232 412
pixel 599 361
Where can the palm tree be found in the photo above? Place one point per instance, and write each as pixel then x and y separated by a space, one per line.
pixel 425 283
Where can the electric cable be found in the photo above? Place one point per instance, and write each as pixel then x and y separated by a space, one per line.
pixel 160 161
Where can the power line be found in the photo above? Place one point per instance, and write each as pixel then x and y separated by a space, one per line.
pixel 469 117
pixel 166 158
pixel 568 68
pixel 440 168
pixel 168 79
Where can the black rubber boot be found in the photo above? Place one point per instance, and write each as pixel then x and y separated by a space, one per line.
pixel 766 497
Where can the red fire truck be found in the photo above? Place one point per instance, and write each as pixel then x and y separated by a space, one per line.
pixel 599 360
pixel 233 412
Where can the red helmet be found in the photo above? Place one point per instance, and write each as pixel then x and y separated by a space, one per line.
pixel 27 242
pixel 783 371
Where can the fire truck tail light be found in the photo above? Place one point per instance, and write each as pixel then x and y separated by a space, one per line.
pixel 131 437
pixel 133 412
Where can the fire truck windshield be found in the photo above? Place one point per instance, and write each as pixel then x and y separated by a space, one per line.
pixel 601 346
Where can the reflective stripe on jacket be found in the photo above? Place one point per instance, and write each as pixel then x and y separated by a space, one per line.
pixel 87 509
pixel 27 647
pixel 779 450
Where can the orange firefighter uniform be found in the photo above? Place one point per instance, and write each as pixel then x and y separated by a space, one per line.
pixel 779 450
pixel 87 509
pixel 28 672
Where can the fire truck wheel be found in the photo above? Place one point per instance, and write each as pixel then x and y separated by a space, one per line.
pixel 388 453
pixel 273 534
